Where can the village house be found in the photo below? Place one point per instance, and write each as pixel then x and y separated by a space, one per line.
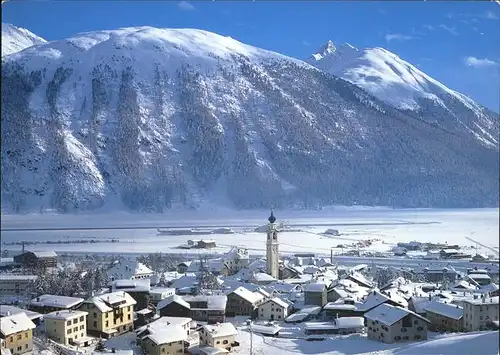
pixel 160 293
pixel 67 327
pixel 221 336
pixel 444 317
pixel 50 303
pixel 138 289
pixel 480 277
pixel 273 309
pixel 174 306
pixel 270 330
pixel 8 310
pixel 168 336
pixel 109 314
pixel 207 308
pixel 391 324
pixel 16 331
pixel 341 308
pixel 37 259
pixel 183 267
pixel 129 269
pixel 242 302
pixel 438 274
pixel 11 285
pixel 236 259
pixel 479 312
pixel 315 294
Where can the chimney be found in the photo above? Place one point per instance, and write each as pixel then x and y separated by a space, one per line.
pixel 8 313
pixel 38 299
pixel 429 297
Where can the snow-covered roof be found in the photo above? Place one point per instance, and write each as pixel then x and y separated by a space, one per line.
pixel 174 298
pixel 247 295
pixel 479 300
pixel 217 302
pixel 6 277
pixel 126 269
pixel 340 306
pixel 419 303
pixel 263 277
pixel 310 309
pixel 479 276
pixel 388 315
pixel 106 301
pixel 64 315
pixel 221 330
pixel 350 322
pixel 9 310
pixel 15 323
pixel 169 334
pixel 279 302
pixel 315 287
pixel 208 350
pixel 138 285
pixel 265 329
pixel 162 322
pixel 446 310
pixel 43 254
pixel 185 281
pixel 296 317
pixel 161 290
pixel 56 301
pixel 359 278
pixel 236 252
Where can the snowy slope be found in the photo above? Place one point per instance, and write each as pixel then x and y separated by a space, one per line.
pixel 145 119
pixel 402 85
pixel 15 39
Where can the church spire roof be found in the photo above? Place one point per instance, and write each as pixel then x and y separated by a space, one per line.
pixel 271 218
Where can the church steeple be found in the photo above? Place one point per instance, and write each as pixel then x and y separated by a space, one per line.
pixel 271 218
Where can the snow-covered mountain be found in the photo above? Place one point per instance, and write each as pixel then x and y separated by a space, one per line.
pixel 15 39
pixel 403 86
pixel 145 118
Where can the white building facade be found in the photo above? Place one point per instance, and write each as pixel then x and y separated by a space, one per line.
pixel 274 309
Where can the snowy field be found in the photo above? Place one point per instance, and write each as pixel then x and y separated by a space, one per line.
pixel 291 342
pixel 137 232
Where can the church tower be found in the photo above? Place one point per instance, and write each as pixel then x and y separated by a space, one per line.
pixel 272 252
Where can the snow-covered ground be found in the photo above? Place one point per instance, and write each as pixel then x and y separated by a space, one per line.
pixel 137 232
pixel 478 343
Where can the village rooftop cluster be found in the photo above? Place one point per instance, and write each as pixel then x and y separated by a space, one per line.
pixel 202 306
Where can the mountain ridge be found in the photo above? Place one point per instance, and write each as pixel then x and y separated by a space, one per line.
pixel 149 119
pixel 400 84
pixel 15 39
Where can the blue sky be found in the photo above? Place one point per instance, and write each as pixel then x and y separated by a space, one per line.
pixel 457 43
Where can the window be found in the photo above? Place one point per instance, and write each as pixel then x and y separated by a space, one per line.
pixel 95 315
pixel 417 337
pixel 19 336
pixel 75 320
pixel 69 322
pixel 26 346
pixel 68 331
pixel 95 324
pixel 406 337
pixel 81 319
pixel 107 324
pixel 129 317
pixel 106 315
pixel 19 348
pixel 225 342
pixel 218 342
pixel 397 337
pixel 415 321
pixel 26 334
